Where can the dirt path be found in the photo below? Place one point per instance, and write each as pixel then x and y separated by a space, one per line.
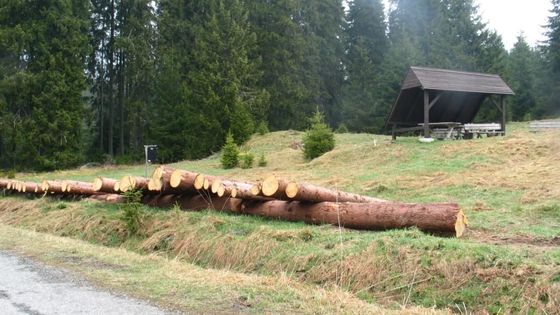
pixel 28 287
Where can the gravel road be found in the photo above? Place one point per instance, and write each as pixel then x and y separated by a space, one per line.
pixel 31 288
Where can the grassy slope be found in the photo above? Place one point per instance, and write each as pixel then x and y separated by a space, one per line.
pixel 508 187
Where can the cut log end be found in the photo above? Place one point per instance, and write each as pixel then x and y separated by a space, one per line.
pixel 206 183
pixel 292 190
pixel 216 186
pixel 126 183
pixel 270 186
pixel 117 187
pixel 97 183
pixel 199 181
pixel 154 184
pixel 256 190
pixel 175 179
pixel 461 224
pixel 158 172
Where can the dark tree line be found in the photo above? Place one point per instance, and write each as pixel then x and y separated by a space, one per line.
pixel 91 80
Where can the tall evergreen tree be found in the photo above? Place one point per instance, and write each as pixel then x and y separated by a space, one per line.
pixel 552 55
pixel 41 89
pixel 205 48
pixel 521 74
pixel 366 48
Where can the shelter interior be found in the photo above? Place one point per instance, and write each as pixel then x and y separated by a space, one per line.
pixel 444 103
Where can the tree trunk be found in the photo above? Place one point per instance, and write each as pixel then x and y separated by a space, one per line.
pixel 312 193
pixel 437 217
pixel 104 184
pixel 82 188
pixel 185 181
pixel 52 187
pixel 133 182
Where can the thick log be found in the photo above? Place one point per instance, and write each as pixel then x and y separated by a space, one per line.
pixel 104 184
pixel 312 193
pixel 133 182
pixel 160 179
pixel 185 181
pixel 274 188
pixel 437 217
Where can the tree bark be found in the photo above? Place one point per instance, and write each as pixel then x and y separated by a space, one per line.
pixel 312 193
pixel 104 184
pixel 185 181
pixel 437 217
pixel 133 182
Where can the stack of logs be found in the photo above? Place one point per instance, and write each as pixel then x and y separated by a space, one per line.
pixel 271 197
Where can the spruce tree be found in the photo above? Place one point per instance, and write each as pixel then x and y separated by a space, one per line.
pixel 552 55
pixel 366 48
pixel 43 93
pixel 521 75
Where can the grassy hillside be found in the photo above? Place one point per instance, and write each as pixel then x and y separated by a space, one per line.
pixel 509 187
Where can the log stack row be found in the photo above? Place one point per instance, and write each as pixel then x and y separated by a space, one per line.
pixel 270 197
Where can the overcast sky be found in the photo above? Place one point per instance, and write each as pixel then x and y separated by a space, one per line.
pixel 510 17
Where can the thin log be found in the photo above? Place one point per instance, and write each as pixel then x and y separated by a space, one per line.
pixel 29 187
pixel 437 217
pixel 133 182
pixel 160 179
pixel 4 183
pixel 312 193
pixel 104 184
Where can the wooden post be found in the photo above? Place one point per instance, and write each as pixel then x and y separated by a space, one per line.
pixel 394 132
pixel 426 114
pixel 503 105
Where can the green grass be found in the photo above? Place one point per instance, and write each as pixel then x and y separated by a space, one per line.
pixel 507 186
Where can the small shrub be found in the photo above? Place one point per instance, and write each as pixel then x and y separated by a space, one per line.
pixel 318 139
pixel 262 128
pixel 246 160
pixel 132 211
pixel 342 128
pixel 230 153
pixel 262 161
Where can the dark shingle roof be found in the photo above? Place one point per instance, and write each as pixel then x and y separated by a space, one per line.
pixel 460 81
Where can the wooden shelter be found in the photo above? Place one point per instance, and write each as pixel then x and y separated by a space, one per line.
pixel 444 98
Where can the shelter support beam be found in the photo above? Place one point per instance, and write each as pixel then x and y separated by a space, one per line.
pixel 503 106
pixel 426 114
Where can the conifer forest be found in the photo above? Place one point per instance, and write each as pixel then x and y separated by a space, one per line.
pixel 93 81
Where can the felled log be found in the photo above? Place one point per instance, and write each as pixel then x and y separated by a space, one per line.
pixel 312 193
pixel 82 188
pixel 52 187
pixel 133 182
pixel 185 181
pixel 4 183
pixel 66 183
pixel 159 181
pixel 29 187
pixel 104 184
pixel 109 198
pixel 274 188
pixel 436 217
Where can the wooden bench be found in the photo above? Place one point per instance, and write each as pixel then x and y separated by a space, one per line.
pixel 477 130
pixel 544 125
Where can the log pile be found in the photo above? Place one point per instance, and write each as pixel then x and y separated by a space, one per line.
pixel 271 197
